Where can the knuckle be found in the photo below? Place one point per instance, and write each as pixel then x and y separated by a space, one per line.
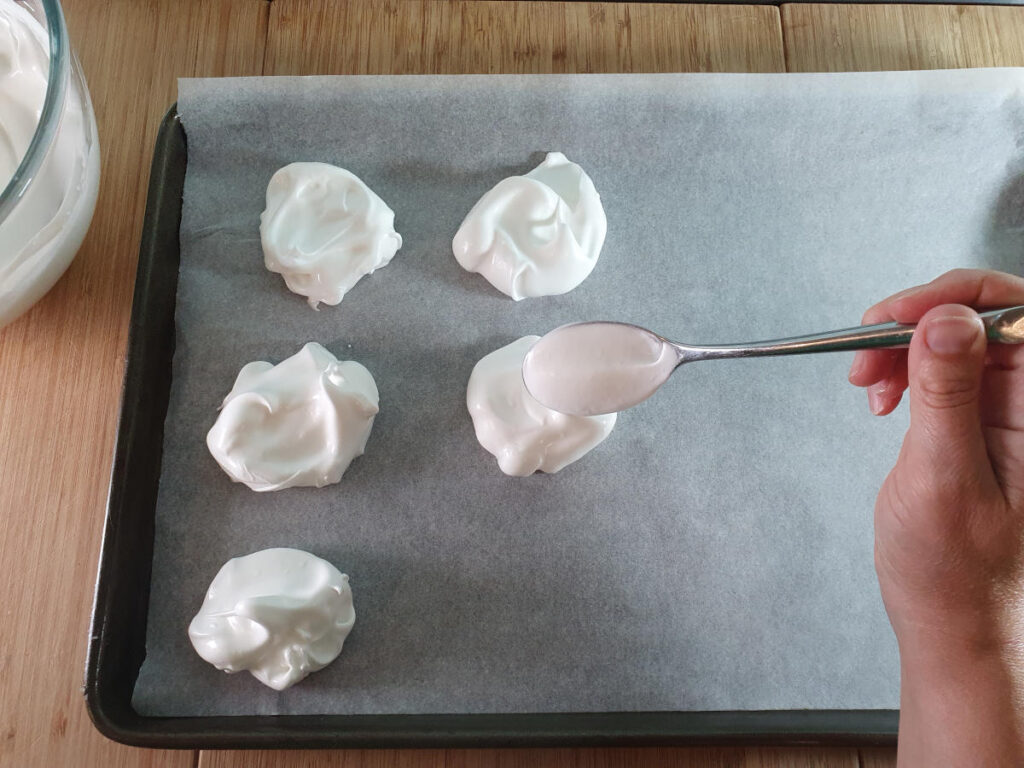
pixel 947 394
pixel 877 314
pixel 957 275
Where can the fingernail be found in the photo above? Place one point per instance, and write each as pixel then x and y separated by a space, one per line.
pixel 952 335
pixel 875 401
pixel 857 366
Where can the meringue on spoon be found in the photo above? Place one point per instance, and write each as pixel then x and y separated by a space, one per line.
pixel 586 369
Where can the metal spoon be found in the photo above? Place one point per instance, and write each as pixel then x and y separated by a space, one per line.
pixel 605 367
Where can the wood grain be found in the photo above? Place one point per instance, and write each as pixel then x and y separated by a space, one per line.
pixel 60 373
pixel 539 758
pixel 836 38
pixel 432 36
pixel 878 758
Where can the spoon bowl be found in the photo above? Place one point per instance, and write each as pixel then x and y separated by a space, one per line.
pixel 592 368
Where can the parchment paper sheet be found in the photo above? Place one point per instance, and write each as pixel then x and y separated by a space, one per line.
pixel 716 551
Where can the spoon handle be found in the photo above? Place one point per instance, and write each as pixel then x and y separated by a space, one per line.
pixel 1003 326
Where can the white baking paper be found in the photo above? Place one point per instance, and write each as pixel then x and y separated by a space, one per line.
pixel 716 551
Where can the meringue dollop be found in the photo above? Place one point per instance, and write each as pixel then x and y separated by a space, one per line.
pixel 323 230
pixel 535 235
pixel 523 435
pixel 278 613
pixel 297 423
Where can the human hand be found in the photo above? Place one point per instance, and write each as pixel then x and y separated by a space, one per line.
pixel 949 521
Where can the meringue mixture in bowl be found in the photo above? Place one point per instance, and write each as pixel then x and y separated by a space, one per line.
pixel 41 231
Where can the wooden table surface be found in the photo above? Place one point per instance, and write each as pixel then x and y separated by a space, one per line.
pixel 61 365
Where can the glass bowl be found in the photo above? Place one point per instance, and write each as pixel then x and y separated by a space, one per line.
pixel 47 203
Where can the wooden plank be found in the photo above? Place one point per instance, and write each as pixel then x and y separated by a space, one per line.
pixel 60 374
pixel 836 38
pixel 804 758
pixel 354 758
pixel 540 758
pixel 420 36
pixel 878 758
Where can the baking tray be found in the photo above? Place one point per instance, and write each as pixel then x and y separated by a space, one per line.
pixel 117 643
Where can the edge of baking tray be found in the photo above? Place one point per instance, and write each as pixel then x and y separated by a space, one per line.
pixel 117 635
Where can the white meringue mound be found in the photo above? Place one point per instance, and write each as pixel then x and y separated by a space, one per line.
pixel 535 235
pixel 523 435
pixel 323 230
pixel 297 423
pixel 278 613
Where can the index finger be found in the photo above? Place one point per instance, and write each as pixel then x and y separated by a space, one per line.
pixel 977 288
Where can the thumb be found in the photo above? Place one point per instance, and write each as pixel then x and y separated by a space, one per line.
pixel 945 366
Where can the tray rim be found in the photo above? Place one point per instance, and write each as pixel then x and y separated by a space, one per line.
pixel 109 684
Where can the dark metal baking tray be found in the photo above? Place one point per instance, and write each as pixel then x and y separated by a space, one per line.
pixel 117 643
